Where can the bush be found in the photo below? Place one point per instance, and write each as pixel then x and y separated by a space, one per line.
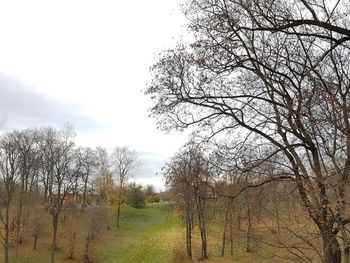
pixel 179 255
pixel 155 199
pixel 135 196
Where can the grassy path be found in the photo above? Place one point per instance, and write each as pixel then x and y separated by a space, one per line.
pixel 146 235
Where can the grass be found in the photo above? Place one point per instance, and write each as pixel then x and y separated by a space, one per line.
pixel 145 235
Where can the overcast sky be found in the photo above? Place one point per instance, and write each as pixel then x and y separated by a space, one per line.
pixel 86 62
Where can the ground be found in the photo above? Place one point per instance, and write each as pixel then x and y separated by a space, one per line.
pixel 154 234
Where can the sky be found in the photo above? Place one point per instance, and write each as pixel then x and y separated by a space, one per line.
pixel 86 62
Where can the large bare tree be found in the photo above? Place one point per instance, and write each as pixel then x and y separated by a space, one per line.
pixel 273 75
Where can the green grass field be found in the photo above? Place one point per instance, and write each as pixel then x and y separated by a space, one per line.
pixel 145 235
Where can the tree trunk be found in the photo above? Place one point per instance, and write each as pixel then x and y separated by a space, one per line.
pixel 84 196
pixel 18 223
pixel 72 245
pixel 87 252
pixel 231 238
pixel 204 254
pixel 249 231
pixel 331 248
pixel 118 213
pixel 35 240
pixel 54 238
pixel 188 231
pixel 224 235
pixel 6 237
pixel 239 222
pixel 223 242
pixel 202 228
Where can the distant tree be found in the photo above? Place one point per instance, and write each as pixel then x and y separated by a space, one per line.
pixel 125 163
pixel 89 165
pixel 155 199
pixel 135 195
pixel 29 161
pixel 64 170
pixel 10 180
pixel 149 190
pixel 104 178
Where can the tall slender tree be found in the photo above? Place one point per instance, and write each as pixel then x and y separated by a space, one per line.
pixel 125 163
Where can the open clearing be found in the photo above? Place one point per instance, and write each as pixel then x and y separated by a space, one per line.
pixel 146 235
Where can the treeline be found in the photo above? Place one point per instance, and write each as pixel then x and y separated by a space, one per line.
pixel 42 172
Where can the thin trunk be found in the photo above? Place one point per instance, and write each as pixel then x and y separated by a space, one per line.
pixel 87 252
pixel 202 228
pixel 188 231
pixel 18 222
pixel 239 222
pixel 84 194
pixel 249 231
pixel 224 234
pixel 6 237
pixel 72 246
pixel 231 238
pixel 214 209
pixel 46 191
pixel 276 208
pixel 54 238
pixel 204 254
pixel 36 235
pixel 223 242
pixel 118 213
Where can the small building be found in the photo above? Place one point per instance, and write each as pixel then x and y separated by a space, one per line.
pixel 68 199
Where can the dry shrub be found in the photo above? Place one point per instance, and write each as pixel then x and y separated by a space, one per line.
pixel 96 220
pixel 179 255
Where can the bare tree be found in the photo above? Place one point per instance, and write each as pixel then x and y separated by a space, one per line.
pixel 188 176
pixel 89 164
pixel 29 160
pixel 62 168
pixel 10 179
pixel 125 163
pixel 104 178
